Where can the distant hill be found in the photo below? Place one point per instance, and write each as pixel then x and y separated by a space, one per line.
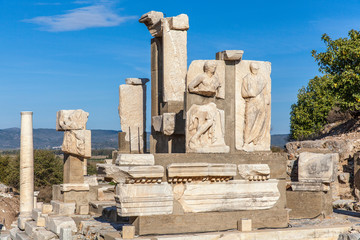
pixel 50 138
pixel 100 139
pixel 279 140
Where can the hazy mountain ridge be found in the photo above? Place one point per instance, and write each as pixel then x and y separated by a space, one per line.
pixel 45 138
pixel 50 138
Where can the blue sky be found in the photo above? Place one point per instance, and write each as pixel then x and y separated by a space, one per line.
pixel 74 54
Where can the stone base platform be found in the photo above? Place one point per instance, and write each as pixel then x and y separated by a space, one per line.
pixel 206 222
pixel 308 204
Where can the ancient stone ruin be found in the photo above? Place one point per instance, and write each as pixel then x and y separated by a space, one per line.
pixel 209 167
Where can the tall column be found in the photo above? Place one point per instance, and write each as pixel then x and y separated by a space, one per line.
pixel 26 164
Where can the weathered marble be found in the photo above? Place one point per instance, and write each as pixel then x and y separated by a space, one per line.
pixel 26 164
pixel 144 199
pixel 205 129
pixel 67 187
pixel 135 159
pixel 136 81
pixel 230 55
pixel 71 120
pixel 180 22
pixel 152 20
pixel 252 105
pixel 207 78
pixel 174 60
pixel 309 186
pixel 132 103
pixel 254 172
pixel 168 125
pixel 122 174
pixel 157 122
pixel 317 167
pixel 230 196
pixel 200 170
pixel 77 142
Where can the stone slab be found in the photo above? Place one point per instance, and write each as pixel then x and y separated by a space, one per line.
pixel 309 204
pixel 317 167
pixel 55 224
pixel 309 187
pixel 254 172
pixel 208 222
pixel 230 55
pixel 200 170
pixel 144 199
pixel 67 187
pixel 62 208
pixel 135 159
pixel 276 161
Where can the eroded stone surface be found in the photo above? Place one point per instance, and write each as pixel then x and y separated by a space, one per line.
pixel 152 20
pixel 55 224
pixel 200 169
pixel 71 120
pixel 132 115
pixel 207 78
pixel 180 22
pixel 205 126
pixel 168 123
pixel 317 167
pixel 135 159
pixel 157 123
pixel 230 196
pixel 77 142
pixel 230 55
pixel 67 187
pixel 252 105
pixel 144 199
pixel 254 172
pixel 309 186
pixel 136 81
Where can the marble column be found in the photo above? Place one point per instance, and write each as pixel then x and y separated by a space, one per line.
pixel 26 164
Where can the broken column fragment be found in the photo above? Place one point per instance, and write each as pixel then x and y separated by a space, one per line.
pixel 132 112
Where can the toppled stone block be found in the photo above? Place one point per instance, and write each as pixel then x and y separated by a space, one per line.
pixel 144 199
pixel 317 167
pixel 77 142
pixel 61 208
pixel 136 81
pixel 71 120
pixel 30 228
pixel 55 224
pixel 135 159
pixel 36 213
pixel 254 172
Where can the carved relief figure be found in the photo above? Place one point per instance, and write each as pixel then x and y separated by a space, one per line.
pixel 206 83
pixel 254 92
pixel 205 129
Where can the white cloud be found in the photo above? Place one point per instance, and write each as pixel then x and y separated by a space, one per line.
pixel 99 15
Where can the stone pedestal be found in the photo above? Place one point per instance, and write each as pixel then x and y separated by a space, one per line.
pixel 26 164
pixel 73 169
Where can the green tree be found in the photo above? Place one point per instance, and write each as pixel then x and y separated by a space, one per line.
pixel 339 86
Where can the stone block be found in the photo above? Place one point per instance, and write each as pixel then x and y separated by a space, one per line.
pixel 77 142
pixel 41 222
pixel 180 22
pixel 244 225
pixel 112 236
pixel 22 236
pixel 135 159
pixel 47 208
pixel 61 208
pixel 309 187
pixel 157 123
pixel 91 180
pixel 5 236
pixel 132 103
pixel 306 204
pixel 136 81
pixel 71 120
pixel 144 199
pixel 317 167
pixel 230 55
pixel 128 232
pixel 66 234
pixel 36 213
pixel 30 228
pixel 67 187
pixel 152 20
pixel 73 169
pixel 254 172
pixel 106 193
pixel 43 234
pixel 227 196
pixel 168 123
pixel 55 224
pixel 200 170
pixel 13 233
pixel 84 209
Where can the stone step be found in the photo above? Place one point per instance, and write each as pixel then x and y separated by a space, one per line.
pixel 56 223
pixel 61 208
